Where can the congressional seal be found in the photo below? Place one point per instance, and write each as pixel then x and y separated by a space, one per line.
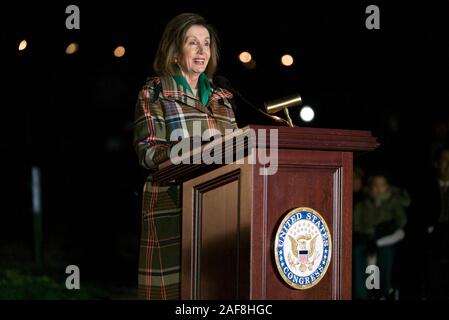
pixel 302 248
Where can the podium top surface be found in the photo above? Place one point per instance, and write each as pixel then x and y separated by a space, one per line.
pixel 322 139
pixel 298 138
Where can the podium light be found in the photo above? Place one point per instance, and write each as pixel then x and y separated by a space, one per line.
pixel 283 104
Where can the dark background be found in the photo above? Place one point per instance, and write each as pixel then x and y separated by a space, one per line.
pixel 72 115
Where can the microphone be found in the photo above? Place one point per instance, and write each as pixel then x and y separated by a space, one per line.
pixel 224 83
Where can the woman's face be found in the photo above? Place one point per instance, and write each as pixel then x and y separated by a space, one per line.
pixel 196 50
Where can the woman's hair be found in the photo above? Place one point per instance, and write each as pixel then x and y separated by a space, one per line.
pixel 172 42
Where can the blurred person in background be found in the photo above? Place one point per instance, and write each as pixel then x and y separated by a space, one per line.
pixel 378 225
pixel 434 212
pixel 357 184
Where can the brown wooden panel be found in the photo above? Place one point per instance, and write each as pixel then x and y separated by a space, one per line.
pixel 346 228
pixel 304 179
pixel 216 233
pixel 307 187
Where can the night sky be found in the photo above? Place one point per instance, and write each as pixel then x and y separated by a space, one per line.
pixel 72 115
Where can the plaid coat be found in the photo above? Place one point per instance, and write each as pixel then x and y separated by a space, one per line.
pixel 163 106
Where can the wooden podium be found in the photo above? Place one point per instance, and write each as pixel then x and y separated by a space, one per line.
pixel 231 213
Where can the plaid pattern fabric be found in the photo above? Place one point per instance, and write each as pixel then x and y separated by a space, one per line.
pixel 164 106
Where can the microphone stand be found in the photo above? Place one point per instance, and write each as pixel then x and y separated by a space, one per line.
pixel 274 118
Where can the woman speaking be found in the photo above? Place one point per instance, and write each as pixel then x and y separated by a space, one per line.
pixel 181 94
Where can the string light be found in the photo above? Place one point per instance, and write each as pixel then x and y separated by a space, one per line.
pixel 245 57
pixel 71 48
pixel 23 44
pixel 119 51
pixel 287 60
